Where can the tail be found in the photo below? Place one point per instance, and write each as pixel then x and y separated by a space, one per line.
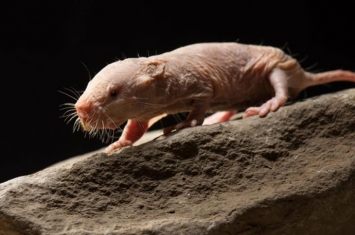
pixel 326 77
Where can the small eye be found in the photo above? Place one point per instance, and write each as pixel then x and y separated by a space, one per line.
pixel 113 93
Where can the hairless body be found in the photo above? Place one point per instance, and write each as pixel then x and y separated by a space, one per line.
pixel 199 78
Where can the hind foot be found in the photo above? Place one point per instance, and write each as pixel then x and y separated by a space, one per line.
pixel 182 125
pixel 271 105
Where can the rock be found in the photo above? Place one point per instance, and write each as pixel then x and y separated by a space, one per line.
pixel 292 172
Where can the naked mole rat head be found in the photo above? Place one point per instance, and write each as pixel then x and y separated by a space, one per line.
pixel 117 93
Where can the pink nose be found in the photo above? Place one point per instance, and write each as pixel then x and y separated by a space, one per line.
pixel 81 111
pixel 83 108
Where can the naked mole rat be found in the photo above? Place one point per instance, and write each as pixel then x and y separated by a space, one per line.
pixel 199 78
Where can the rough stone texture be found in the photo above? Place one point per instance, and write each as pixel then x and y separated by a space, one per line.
pixel 292 172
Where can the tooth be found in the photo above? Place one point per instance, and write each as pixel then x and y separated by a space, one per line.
pixel 84 125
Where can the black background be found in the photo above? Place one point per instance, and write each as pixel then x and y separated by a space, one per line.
pixel 44 45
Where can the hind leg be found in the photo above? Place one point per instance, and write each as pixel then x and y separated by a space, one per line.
pixel 278 80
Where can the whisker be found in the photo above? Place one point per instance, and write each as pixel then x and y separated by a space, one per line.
pixel 68 104
pixel 177 117
pixel 96 130
pixel 112 135
pixel 68 113
pixel 77 125
pixel 303 59
pixel 284 46
pixel 262 42
pixel 77 92
pixel 99 131
pixel 74 98
pixel 106 136
pixel 73 116
pixel 86 70
pixel 111 120
pixel 93 130
pixel 102 130
pixel 290 52
pixel 150 104
pixel 73 92
pixel 91 133
pixel 91 118
pixel 68 119
pixel 311 67
pixel 67 108
pixel 103 135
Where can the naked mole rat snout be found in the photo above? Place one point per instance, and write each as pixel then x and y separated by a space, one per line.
pixel 83 110
pixel 83 107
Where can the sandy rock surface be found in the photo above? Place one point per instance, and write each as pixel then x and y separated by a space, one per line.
pixel 292 172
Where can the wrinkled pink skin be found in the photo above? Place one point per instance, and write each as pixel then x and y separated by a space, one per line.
pixel 199 78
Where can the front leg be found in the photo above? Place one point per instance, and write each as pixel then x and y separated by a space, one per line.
pixel 132 132
pixel 195 117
